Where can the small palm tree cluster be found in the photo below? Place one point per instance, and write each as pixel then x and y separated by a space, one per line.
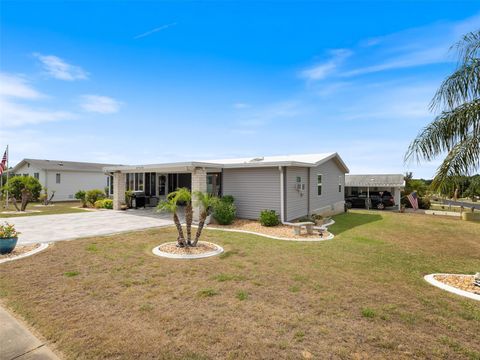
pixel 184 196
pixel 456 130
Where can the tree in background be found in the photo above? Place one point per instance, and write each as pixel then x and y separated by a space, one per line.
pixel 23 189
pixel 456 130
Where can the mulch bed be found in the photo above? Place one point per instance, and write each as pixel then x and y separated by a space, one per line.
pixel 201 248
pixel 462 282
pixel 281 230
pixel 19 250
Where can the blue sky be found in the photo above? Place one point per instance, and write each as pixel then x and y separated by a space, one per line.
pixel 148 82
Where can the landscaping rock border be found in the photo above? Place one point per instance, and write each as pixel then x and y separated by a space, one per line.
pixel 329 237
pixel 156 251
pixel 432 281
pixel 42 247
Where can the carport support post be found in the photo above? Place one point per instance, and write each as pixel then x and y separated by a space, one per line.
pixel 118 189
pixel 398 199
pixel 199 183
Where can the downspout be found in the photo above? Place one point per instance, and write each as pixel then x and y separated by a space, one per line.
pixel 282 195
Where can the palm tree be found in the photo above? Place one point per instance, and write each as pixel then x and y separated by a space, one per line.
pixel 456 130
pixel 170 205
pixel 206 202
pixel 185 196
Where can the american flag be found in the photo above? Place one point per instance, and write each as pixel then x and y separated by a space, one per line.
pixel 3 164
pixel 413 198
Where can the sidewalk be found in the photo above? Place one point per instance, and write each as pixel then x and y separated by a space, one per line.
pixel 17 342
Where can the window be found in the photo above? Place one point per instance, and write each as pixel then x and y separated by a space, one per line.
pixel 57 178
pixel 319 184
pixel 110 181
pixel 339 184
pixel 25 174
pixel 36 175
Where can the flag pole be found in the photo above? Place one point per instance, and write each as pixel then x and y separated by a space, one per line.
pixel 7 175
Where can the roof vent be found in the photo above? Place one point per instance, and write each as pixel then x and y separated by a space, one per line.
pixel 257 159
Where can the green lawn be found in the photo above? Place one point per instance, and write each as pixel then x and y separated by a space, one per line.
pixel 55 208
pixel 358 296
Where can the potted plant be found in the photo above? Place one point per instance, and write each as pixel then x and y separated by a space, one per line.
pixel 123 206
pixel 8 238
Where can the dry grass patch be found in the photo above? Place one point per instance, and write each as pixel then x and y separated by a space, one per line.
pixel 361 295
pixel 37 209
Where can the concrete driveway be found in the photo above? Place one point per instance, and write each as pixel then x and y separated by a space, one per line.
pixel 48 228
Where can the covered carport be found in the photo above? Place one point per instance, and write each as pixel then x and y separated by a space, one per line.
pixel 365 183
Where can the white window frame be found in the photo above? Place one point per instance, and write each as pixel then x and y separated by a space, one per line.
pixel 320 184
pixel 339 184
pixel 58 178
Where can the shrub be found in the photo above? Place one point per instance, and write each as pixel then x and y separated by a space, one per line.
pixel 224 212
pixel 108 204
pixel 104 204
pixel 93 195
pixel 269 218
pixel 228 199
pixel 80 195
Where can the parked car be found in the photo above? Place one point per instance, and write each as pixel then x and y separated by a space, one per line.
pixel 378 200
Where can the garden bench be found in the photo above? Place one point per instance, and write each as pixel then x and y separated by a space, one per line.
pixel 297 227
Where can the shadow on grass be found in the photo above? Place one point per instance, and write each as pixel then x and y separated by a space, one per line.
pixel 347 221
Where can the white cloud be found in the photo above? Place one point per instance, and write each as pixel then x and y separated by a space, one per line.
pixel 153 31
pixel 322 70
pixel 14 113
pixel 60 69
pixel 17 86
pixel 99 104
pixel 412 47
pixel 241 105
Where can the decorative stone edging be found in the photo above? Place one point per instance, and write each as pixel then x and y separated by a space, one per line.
pixel 432 281
pixel 329 237
pixel 42 247
pixel 156 251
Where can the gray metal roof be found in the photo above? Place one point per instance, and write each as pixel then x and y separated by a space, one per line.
pixel 302 160
pixel 58 165
pixel 375 180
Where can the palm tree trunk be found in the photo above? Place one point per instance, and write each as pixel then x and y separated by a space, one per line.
pixel 201 224
pixel 188 220
pixel 181 238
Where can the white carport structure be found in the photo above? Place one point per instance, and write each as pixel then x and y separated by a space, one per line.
pixel 357 184
pixel 198 171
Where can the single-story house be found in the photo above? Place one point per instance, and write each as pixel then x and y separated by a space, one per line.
pixel 64 177
pixel 292 185
pixel 362 184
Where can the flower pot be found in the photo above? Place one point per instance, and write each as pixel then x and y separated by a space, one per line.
pixel 7 245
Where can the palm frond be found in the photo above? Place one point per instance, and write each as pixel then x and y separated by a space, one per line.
pixel 460 87
pixel 462 159
pixel 445 132
pixel 469 46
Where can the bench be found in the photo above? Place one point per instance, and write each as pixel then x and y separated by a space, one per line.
pixel 297 227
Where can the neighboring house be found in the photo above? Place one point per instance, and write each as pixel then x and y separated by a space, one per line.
pixel 362 184
pixel 293 185
pixel 64 177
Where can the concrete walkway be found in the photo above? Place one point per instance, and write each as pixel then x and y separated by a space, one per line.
pixel 49 228
pixel 17 342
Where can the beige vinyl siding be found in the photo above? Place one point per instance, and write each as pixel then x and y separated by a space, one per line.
pixel 331 174
pixel 297 201
pixel 253 189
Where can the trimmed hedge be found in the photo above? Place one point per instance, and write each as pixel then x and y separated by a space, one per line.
pixel 269 218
